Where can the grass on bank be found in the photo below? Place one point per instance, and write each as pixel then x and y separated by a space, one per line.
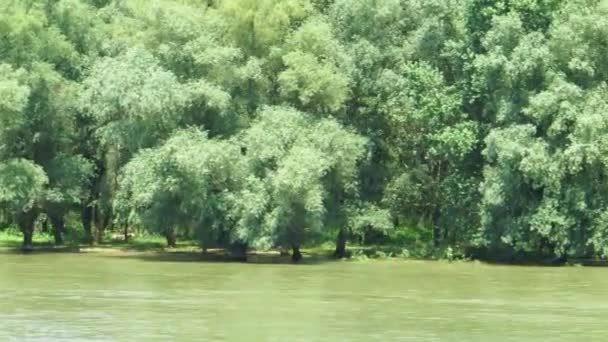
pixel 402 244
pixel 11 238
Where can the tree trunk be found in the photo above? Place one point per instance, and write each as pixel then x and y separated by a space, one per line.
pixel 296 255
pixel 58 228
pixel 238 251
pixel 171 240
pixel 45 226
pixel 28 237
pixel 86 215
pixel 26 223
pixel 435 217
pixel 99 231
pixel 99 225
pixel 340 251
pixel 107 222
pixel 126 232
pixel 4 220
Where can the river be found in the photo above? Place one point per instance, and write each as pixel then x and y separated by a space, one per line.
pixel 80 297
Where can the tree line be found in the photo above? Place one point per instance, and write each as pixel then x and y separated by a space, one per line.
pixel 268 123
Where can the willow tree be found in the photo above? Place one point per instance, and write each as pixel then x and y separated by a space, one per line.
pixel 69 181
pixel 44 126
pixel 316 76
pixel 308 164
pixel 256 26
pixel 134 103
pixel 544 186
pixel 22 181
pixel 14 96
pixel 187 40
pixel 22 191
pixel 429 140
pixel 180 186
pixel 151 193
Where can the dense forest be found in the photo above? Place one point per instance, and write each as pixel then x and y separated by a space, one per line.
pixel 259 124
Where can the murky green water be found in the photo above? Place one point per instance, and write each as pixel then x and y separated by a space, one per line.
pixel 62 297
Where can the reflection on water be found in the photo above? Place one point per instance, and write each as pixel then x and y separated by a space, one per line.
pixel 67 297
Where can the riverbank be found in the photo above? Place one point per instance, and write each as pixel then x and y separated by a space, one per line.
pixel 153 247
pixel 192 253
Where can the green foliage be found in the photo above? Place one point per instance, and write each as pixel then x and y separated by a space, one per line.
pixel 258 25
pixel 27 36
pixel 437 126
pixel 69 177
pixel 13 101
pixel 133 99
pixel 320 88
pixel 177 185
pixel 302 159
pixel 317 69
pixel 369 218
pixel 22 185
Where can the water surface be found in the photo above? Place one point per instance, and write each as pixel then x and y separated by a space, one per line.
pixel 72 297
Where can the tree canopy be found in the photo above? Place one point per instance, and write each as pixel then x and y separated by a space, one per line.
pixel 478 125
